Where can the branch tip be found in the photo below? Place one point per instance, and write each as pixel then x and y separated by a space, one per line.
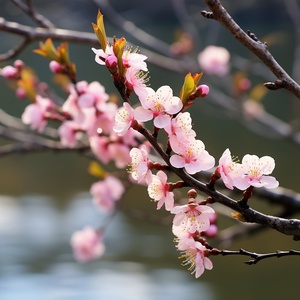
pixel 252 36
pixel 207 14
pixel 273 86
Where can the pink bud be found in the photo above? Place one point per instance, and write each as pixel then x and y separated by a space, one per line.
pixel 111 62
pixel 9 72
pixel 55 67
pixel 20 93
pixel 202 90
pixel 213 218
pixel 19 64
pixel 212 231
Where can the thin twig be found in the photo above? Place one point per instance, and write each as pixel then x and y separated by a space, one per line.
pixel 38 147
pixel 34 15
pixel 256 256
pixel 293 9
pixel 129 27
pixel 285 226
pixel 32 34
pixel 220 14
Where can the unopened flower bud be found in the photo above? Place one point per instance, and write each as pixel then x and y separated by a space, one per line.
pixel 111 62
pixel 19 64
pixel 55 67
pixel 212 231
pixel 192 193
pixel 9 72
pixel 202 90
pixel 20 93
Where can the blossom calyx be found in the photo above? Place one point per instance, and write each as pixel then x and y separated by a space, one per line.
pixel 189 86
pixel 118 49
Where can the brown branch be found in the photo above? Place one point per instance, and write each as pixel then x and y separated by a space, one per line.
pixel 220 14
pixel 293 9
pixel 38 147
pixel 32 34
pixel 33 14
pixel 40 33
pixel 256 257
pixel 130 28
pixel 285 226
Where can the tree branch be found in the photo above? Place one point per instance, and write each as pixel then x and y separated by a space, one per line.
pixel 34 15
pixel 256 257
pixel 285 226
pixel 220 14
pixel 39 146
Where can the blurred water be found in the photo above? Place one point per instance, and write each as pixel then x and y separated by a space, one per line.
pixel 36 261
pixel 122 281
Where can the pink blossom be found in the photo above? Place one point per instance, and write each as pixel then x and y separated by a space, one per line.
pixel 70 106
pixel 130 59
pixel 101 55
pixel 192 156
pixel 255 172
pixel 106 117
pixel 180 128
pixel 214 60
pixel 123 119
pixel 139 165
pixel 195 255
pixel 106 192
pixel 89 108
pixel 99 146
pixel 158 105
pixel 107 148
pixel 228 169
pixel 120 154
pixel 91 94
pixel 191 217
pixel 85 95
pixel 136 80
pixel 134 60
pixel 87 244
pixel 36 114
pixel 131 138
pixel 158 190
pixel 68 133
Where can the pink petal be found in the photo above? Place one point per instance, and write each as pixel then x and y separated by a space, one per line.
pixel 177 161
pixel 142 115
pixel 207 263
pixel 86 100
pixel 162 120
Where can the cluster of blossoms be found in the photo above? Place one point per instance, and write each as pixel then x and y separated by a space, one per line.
pixel 115 134
pixel 252 171
pixel 191 222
